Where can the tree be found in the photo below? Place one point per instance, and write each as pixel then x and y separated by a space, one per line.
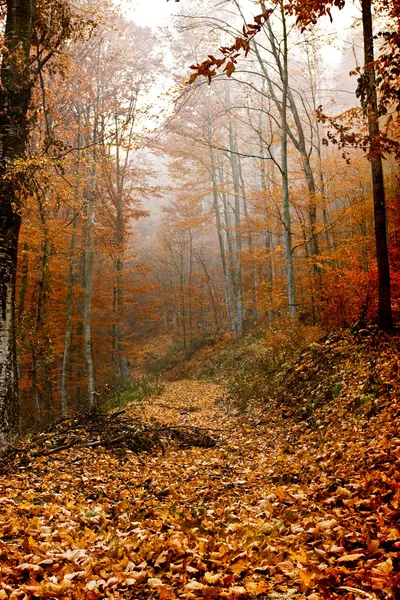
pixel 33 33
pixel 307 13
pixel 15 94
pixel 385 317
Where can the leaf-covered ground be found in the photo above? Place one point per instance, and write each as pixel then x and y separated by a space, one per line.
pixel 298 499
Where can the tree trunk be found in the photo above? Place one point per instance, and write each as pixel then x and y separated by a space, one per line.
pixel 385 318
pixel 281 105
pixel 9 410
pixel 15 93
pixel 212 293
pixel 41 300
pixel 20 318
pixel 190 275
pixel 71 280
pixel 120 297
pixel 268 237
pixel 68 327
pixel 119 263
pixel 238 234
pixel 285 184
pixel 225 267
pixel 299 142
pixel 87 309
pixel 227 227
pixel 250 245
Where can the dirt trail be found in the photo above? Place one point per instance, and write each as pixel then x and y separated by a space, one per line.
pixel 92 524
pixel 231 521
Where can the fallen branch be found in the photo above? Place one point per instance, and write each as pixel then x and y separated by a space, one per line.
pixel 112 431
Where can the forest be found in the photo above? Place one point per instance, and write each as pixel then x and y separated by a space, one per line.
pixel 200 299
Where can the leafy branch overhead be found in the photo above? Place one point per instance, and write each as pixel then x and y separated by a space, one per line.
pixel 307 13
pixel 209 67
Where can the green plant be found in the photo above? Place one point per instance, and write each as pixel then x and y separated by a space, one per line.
pixel 135 390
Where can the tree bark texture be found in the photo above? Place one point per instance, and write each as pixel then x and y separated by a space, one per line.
pixel 15 93
pixel 385 318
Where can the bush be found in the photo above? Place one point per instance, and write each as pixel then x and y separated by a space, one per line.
pixel 252 367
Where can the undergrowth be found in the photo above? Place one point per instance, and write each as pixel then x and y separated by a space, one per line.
pixel 133 390
pixel 251 367
pixel 248 367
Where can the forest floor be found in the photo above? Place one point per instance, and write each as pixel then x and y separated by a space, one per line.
pixel 285 500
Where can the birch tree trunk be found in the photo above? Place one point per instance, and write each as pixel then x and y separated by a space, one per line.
pixel 282 106
pixel 268 238
pixel 225 268
pixel 312 64
pixel 71 281
pixel 299 141
pixel 250 244
pixel 238 233
pixel 68 327
pixel 15 93
pixel 87 308
pixel 291 290
pixel 227 226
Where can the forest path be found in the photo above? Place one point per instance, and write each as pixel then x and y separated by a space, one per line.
pixel 250 517
pixel 88 523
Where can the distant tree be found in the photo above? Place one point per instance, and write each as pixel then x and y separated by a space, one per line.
pixel 308 12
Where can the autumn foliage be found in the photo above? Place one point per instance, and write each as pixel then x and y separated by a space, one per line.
pixel 299 497
pixel 192 338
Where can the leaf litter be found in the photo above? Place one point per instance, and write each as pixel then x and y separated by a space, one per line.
pixel 288 502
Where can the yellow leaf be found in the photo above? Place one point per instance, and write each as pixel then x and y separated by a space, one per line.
pixel 383 568
pixel 305 577
pixel 350 557
pixel 153 581
pixel 211 578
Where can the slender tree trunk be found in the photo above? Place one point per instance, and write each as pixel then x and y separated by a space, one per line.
pixel 291 291
pixel 68 327
pixel 281 60
pixel 268 236
pixel 385 318
pixel 228 229
pixel 225 268
pixel 211 291
pixel 238 234
pixel 190 275
pixel 282 105
pixel 120 297
pixel 120 242
pixel 71 282
pixel 87 309
pixel 24 269
pixel 20 332
pixel 249 242
pixel 114 366
pixel 37 343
